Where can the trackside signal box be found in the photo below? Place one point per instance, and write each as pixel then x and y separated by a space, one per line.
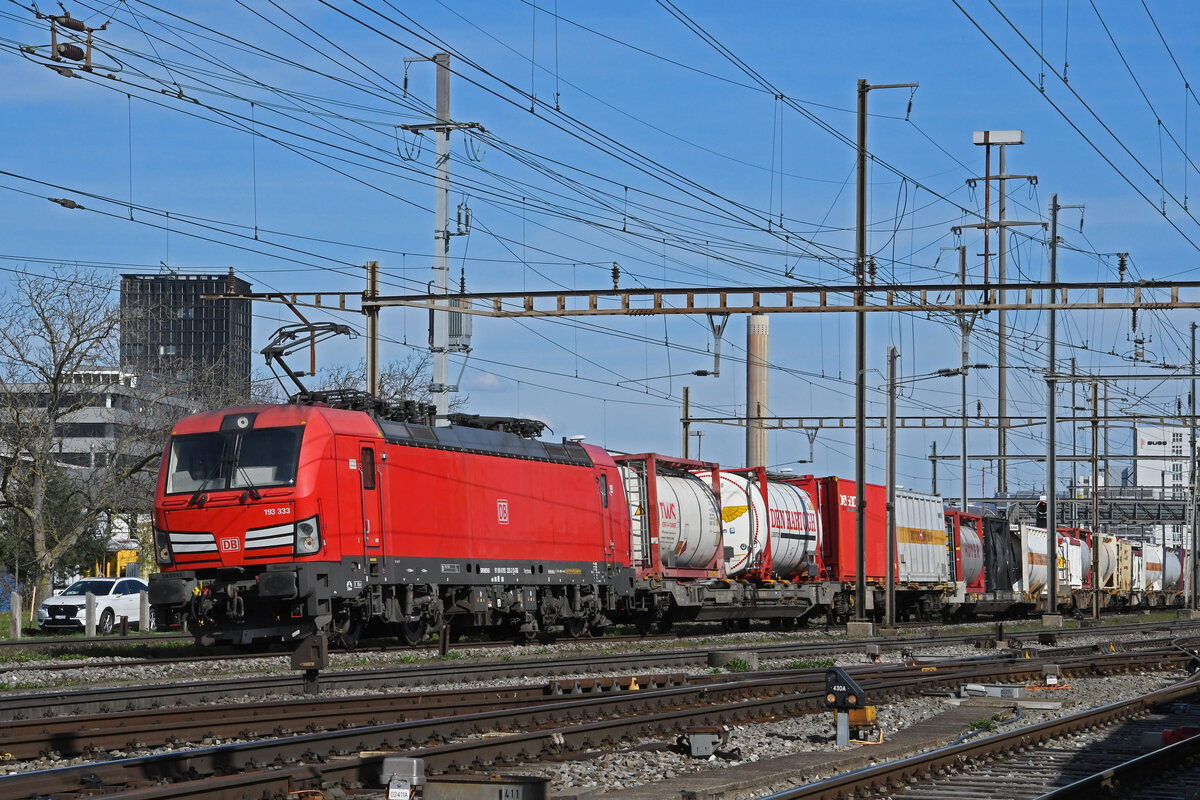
pixel 849 704
pixel 841 691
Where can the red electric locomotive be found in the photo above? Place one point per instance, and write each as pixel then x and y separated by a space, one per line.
pixel 275 522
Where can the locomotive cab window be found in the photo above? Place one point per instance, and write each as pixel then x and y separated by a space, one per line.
pixel 368 468
pixel 604 490
pixel 208 462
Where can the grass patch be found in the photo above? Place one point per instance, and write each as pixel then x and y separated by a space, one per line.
pixel 738 665
pixel 810 663
pixel 984 724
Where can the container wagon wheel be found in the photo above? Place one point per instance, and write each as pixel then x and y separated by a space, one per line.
pixel 350 636
pixel 577 627
pixel 412 633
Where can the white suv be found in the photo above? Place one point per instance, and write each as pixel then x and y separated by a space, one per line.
pixel 115 598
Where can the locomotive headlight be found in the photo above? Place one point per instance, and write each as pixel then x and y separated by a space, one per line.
pixel 162 547
pixel 308 536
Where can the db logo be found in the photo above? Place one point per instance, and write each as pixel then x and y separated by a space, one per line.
pixel 502 512
pixel 230 545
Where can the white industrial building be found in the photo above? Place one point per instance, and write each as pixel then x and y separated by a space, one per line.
pixel 1163 470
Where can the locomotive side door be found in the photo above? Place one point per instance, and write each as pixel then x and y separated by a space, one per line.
pixel 372 498
pixel 605 484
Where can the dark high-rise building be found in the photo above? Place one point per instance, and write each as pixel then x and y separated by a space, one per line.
pixel 168 329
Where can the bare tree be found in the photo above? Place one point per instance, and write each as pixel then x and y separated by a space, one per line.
pixel 401 379
pixel 58 383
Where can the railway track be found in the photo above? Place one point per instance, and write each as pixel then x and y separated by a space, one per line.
pixel 27 705
pixel 1078 757
pixel 552 725
pixel 1014 636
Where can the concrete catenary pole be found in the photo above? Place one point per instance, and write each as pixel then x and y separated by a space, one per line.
pixel 1194 578
pixel 1002 342
pixel 757 355
pixel 965 323
pixel 890 604
pixel 860 345
pixel 1051 424
pixel 687 419
pixel 1095 515
pixel 372 315
pixel 440 341
pixel 860 366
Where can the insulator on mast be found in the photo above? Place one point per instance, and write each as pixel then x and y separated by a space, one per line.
pixel 71 51
pixel 67 21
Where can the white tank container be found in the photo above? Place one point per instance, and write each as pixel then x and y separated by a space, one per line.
pixel 1107 559
pixel 1173 569
pixel 1085 557
pixel 1033 561
pixel 1162 571
pixel 787 515
pixel 689 528
pixel 1071 555
pixel 970 548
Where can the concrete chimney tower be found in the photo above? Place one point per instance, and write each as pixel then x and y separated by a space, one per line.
pixel 758 331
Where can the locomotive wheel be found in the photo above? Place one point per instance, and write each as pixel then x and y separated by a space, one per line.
pixel 413 633
pixel 642 625
pixel 664 625
pixel 576 627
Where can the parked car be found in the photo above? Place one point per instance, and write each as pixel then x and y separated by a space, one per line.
pixel 115 598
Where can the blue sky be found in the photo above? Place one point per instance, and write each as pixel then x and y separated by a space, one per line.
pixel 694 143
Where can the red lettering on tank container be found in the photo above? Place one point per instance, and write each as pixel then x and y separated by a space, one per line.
pixel 788 520
pixel 667 511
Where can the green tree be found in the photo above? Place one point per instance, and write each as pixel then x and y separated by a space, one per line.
pixel 65 518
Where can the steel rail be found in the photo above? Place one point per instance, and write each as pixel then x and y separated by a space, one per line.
pixel 879 778
pixel 653 711
pixel 121 699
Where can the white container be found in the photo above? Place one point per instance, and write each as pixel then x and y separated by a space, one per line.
pixel 787 515
pixel 689 528
pixel 922 546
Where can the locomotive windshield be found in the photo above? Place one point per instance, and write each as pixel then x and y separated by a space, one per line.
pixel 254 459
